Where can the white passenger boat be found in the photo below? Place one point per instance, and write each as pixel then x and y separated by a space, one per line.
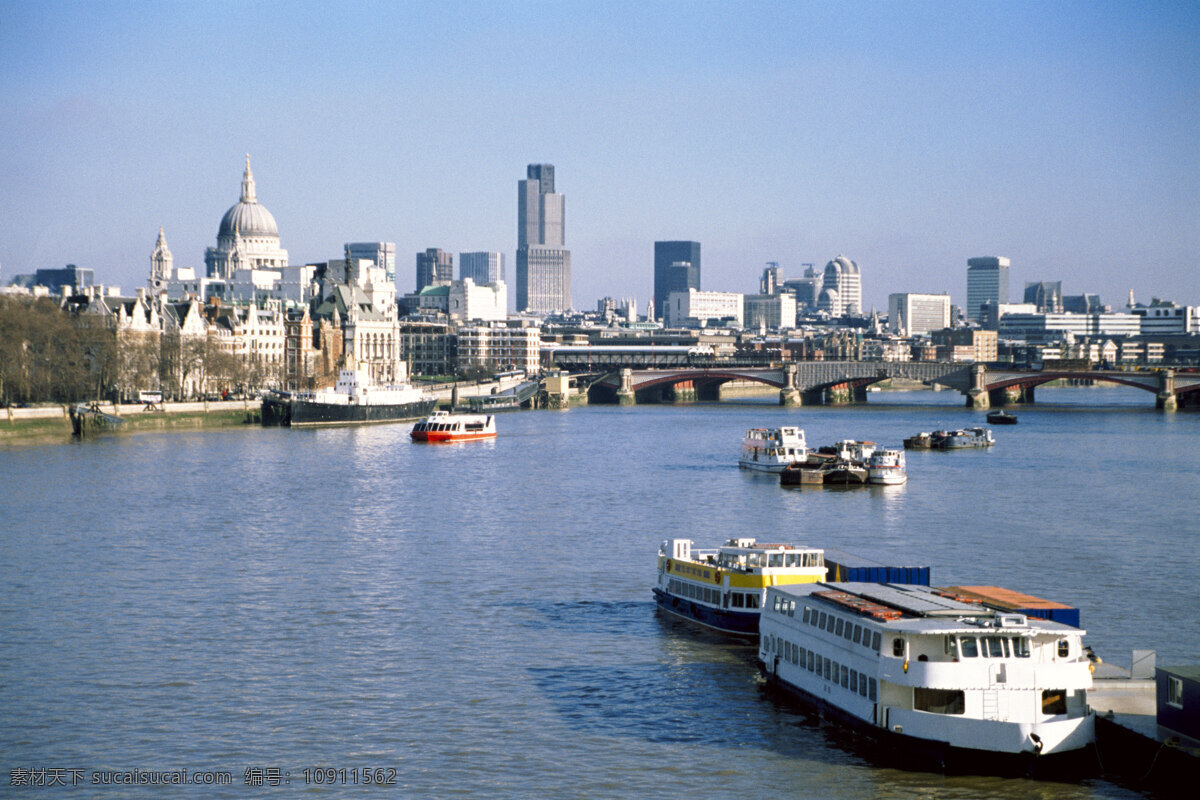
pixel 887 466
pixel 724 588
pixel 772 449
pixel 441 426
pixel 968 687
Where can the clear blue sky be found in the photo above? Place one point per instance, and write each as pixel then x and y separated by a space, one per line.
pixel 907 136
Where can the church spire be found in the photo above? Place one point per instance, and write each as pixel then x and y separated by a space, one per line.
pixel 248 195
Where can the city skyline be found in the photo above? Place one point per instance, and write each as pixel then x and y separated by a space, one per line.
pixel 909 138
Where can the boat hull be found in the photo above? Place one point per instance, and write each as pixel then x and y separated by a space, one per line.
pixel 442 437
pixel 912 752
pixel 887 476
pixel 300 413
pixel 731 622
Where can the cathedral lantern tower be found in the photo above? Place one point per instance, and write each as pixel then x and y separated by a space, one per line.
pixel 247 238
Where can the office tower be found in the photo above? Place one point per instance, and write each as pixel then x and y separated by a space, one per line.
pixel 676 269
pixel 382 253
pixel 842 292
pixel 543 264
pixel 806 289
pixel 914 314
pixel 987 279
pixel 485 268
pixel 434 268
pixel 769 283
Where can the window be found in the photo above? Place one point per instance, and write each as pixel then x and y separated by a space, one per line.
pixel 806 610
pixel 876 640
pixel 992 646
pixel 751 601
pixel 1064 648
pixel 845 677
pixel 858 633
pixel 1174 691
pixel 838 631
pixel 939 701
pixel 854 680
pixel 873 693
pixel 898 647
pixel 777 599
pixel 824 619
pixel 1054 701
pixel 826 665
pixel 862 685
pixel 968 647
pixel 1021 647
pixel 739 600
pixel 791 608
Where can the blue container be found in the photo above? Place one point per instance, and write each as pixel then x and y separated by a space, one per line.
pixel 843 566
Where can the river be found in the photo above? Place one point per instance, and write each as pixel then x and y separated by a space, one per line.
pixel 477 618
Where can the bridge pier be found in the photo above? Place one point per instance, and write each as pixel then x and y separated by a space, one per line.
pixel 840 394
pixel 978 396
pixel 683 392
pixel 789 396
pixel 1165 399
pixel 1011 395
pixel 625 396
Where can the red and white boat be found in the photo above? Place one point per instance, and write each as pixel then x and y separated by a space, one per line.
pixel 442 426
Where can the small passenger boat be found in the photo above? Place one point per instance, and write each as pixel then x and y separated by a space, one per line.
pixel 1001 417
pixel 951 440
pixel 724 588
pixel 442 426
pixel 886 466
pixel 938 677
pixel 772 449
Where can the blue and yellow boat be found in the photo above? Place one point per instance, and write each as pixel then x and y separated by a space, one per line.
pixel 725 588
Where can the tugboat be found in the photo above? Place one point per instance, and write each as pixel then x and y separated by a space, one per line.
pixel 886 466
pixel 1001 417
pixel 772 449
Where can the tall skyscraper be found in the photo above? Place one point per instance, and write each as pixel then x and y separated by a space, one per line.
pixel 435 267
pixel 485 268
pixel 382 253
pixel 676 269
pixel 842 292
pixel 543 263
pixel 987 279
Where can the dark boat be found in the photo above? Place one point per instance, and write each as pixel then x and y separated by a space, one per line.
pixel 999 417
pixel 354 400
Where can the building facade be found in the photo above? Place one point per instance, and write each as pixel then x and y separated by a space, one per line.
pixel 770 311
pixel 486 268
pixel 987 281
pixel 676 269
pixel 543 262
pixel 382 253
pixel 499 348
pixel 694 308
pixel 435 267
pixel 912 314
pixel 842 292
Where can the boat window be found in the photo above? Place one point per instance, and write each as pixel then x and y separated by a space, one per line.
pixel 873 692
pixel 777 559
pixel 862 685
pixel 838 630
pixel 811 659
pixel 857 634
pixel 776 606
pixel 751 601
pixel 993 647
pixel 939 701
pixel 789 559
pixel 836 672
pixel 1021 647
pixel 824 619
pixel 1054 701
pixel 845 677
pixel 897 647
pixel 791 608
pixel 967 645
pixel 876 641
pixel 949 646
pixel 826 664
pixel 1064 648
pixel 849 634
pixel 803 655
pixel 806 612
pixel 737 600
pixel 796 654
pixel 854 680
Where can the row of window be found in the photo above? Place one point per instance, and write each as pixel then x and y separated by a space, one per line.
pixel 822 667
pixel 848 629
pixel 711 595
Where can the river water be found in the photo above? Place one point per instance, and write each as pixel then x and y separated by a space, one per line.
pixel 478 617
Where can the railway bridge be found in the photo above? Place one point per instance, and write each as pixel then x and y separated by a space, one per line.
pixel 820 382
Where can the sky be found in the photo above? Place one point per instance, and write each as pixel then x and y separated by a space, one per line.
pixel 907 136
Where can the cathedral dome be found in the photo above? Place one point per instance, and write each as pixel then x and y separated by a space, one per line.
pixel 247 217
